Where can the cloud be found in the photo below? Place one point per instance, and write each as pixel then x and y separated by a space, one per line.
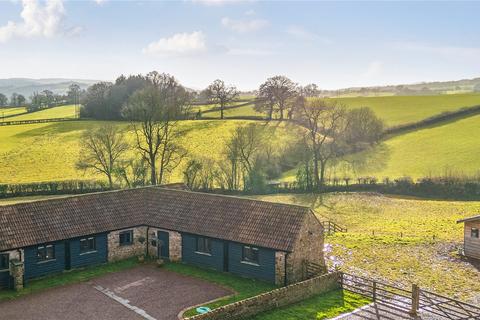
pixel 244 26
pixel 37 21
pixel 374 69
pixel 447 51
pixel 100 2
pixel 303 34
pixel 178 44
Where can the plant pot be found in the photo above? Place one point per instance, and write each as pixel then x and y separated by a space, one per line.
pixel 160 262
pixel 141 258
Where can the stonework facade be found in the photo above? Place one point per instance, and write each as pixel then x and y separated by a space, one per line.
pixel 279 268
pixel 16 267
pixel 308 248
pixel 119 252
pixel 248 308
pixel 174 240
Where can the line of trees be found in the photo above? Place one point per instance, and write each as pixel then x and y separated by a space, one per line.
pixel 153 112
pixel 16 100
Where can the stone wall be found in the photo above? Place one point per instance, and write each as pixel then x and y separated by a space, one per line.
pixel 17 269
pixel 117 252
pixel 175 244
pixel 308 247
pixel 285 296
pixel 279 268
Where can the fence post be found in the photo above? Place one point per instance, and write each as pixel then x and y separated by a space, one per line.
pixel 341 280
pixel 374 291
pixel 415 299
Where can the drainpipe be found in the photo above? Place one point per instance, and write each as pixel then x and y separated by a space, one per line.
pixel 20 254
pixel 286 280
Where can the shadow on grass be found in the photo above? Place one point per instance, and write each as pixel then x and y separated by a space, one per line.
pixel 323 306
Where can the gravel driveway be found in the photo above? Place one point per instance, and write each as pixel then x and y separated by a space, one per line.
pixel 145 292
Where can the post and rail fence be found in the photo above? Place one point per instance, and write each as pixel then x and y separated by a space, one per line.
pixel 413 301
pixel 331 227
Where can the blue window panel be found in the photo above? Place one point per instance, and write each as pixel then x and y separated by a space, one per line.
pixel 190 255
pixel 98 256
pixel 264 270
pixel 35 268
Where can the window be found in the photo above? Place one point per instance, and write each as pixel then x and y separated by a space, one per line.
pixel 475 233
pixel 126 238
pixel 250 254
pixel 87 245
pixel 204 245
pixel 3 261
pixel 46 252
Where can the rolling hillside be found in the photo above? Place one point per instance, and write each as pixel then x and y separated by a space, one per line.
pixel 48 152
pixel 67 111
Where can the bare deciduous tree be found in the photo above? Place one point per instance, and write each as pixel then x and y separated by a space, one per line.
pixel 325 123
pixel 277 95
pixel 154 112
pixel 221 94
pixel 102 150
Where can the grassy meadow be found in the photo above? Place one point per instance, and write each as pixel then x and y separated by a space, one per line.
pixel 67 111
pixel 399 240
pixel 48 151
pixel 397 110
pixel 8 112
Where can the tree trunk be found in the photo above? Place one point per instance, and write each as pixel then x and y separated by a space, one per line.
pixel 221 110
pixel 153 171
pixel 110 182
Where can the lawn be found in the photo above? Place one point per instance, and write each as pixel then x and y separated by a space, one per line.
pixel 324 306
pixel 398 240
pixel 48 152
pixel 396 110
pixel 244 287
pixel 51 113
pixel 7 112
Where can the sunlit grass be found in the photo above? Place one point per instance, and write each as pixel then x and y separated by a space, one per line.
pixel 399 240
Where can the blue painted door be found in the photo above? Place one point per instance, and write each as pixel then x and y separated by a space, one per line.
pixel 163 244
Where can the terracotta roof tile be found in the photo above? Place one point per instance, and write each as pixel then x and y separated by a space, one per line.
pixel 265 224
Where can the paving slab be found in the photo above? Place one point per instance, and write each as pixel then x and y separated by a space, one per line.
pixel 145 292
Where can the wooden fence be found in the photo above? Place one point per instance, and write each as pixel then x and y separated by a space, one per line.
pixel 331 227
pixel 413 301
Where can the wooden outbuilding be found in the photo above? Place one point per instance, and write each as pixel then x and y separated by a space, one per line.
pixel 471 236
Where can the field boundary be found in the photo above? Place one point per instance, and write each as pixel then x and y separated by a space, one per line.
pixel 412 301
pixel 433 120
pixel 19 122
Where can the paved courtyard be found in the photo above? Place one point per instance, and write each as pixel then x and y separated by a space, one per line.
pixel 144 292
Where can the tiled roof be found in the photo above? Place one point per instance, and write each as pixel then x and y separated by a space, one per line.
pixel 474 218
pixel 260 223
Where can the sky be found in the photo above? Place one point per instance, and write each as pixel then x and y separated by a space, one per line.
pixel 332 44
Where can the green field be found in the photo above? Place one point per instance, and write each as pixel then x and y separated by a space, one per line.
pixel 396 110
pixel 399 240
pixel 48 152
pixel 7 112
pixel 51 113
pixel 452 148
pixel 244 111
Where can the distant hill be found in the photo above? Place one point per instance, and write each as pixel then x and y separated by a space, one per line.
pixel 423 88
pixel 27 86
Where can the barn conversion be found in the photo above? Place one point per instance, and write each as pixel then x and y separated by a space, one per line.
pixel 264 240
pixel 471 236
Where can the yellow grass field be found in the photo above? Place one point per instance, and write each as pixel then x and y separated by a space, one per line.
pixel 48 151
pixel 399 240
